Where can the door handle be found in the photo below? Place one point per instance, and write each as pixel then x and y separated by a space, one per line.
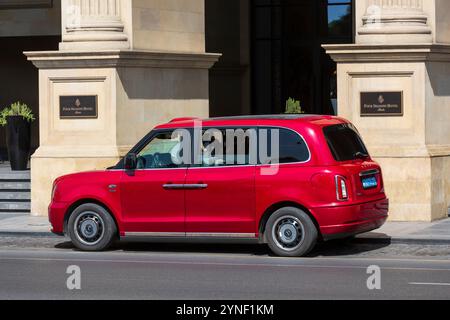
pixel 171 186
pixel 196 186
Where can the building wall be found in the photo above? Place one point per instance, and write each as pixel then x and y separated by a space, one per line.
pixel 171 25
pixel 20 18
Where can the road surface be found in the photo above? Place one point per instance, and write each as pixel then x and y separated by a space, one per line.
pixel 35 268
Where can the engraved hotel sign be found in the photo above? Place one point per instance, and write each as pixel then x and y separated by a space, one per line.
pixel 78 107
pixel 382 104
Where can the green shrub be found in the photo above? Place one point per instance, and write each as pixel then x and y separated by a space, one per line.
pixel 16 109
pixel 293 107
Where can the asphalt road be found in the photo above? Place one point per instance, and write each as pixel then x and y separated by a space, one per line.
pixel 36 269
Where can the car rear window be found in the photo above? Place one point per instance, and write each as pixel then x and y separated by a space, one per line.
pixel 344 142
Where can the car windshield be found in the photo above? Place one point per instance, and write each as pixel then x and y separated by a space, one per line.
pixel 345 142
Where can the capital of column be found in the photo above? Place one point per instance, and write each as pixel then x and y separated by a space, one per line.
pixel 402 21
pixel 93 23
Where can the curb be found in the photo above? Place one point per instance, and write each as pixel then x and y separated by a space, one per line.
pixel 415 241
pixel 27 234
pixel 361 240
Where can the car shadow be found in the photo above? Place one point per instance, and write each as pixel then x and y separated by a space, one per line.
pixel 337 248
pixel 181 247
pixel 348 247
pixel 192 247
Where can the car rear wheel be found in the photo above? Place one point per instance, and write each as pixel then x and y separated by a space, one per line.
pixel 290 232
pixel 91 228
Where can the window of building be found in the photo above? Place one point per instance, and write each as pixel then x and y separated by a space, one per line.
pixel 340 18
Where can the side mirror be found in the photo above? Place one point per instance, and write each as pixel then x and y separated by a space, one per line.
pixel 130 161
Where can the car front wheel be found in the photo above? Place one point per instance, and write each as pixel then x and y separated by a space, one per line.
pixel 91 228
pixel 290 232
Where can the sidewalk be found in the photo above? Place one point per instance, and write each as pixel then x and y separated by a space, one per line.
pixel 410 232
pixel 24 224
pixel 392 232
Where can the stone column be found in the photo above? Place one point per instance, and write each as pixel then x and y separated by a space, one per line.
pixel 143 61
pixel 402 46
pixel 93 24
pixel 395 21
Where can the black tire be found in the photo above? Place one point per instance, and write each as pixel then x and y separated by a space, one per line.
pixel 290 232
pixel 91 228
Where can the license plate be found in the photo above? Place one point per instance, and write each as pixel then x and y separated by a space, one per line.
pixel 369 183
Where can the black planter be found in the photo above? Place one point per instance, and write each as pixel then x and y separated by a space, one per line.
pixel 18 140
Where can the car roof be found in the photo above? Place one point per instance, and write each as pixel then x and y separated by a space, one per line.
pixel 256 120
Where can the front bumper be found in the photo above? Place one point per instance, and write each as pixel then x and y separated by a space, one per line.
pixel 345 221
pixel 56 213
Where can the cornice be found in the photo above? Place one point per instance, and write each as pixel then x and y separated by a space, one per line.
pixel 367 53
pixel 121 58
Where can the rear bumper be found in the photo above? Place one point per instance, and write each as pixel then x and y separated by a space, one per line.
pixel 345 221
pixel 56 212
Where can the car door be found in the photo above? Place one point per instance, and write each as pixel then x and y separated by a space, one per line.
pixel 220 198
pixel 151 197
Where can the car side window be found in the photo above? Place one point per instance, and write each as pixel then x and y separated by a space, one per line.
pixel 161 152
pixel 225 147
pixel 291 146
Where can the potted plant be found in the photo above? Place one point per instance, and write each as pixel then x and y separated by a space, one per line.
pixel 293 107
pixel 17 119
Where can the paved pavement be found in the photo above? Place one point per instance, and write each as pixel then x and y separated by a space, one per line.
pixel 42 274
pixel 412 232
pixel 35 267
pixel 392 232
pixel 23 224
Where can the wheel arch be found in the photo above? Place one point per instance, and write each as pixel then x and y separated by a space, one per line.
pixel 80 202
pixel 276 206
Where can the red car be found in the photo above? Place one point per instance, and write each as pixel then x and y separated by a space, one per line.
pixel 321 185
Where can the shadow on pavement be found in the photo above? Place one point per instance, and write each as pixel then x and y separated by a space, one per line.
pixel 348 247
pixel 331 248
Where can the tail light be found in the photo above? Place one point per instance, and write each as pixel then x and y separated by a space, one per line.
pixel 341 188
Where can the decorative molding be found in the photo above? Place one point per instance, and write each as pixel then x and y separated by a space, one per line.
pixel 25 4
pixel 402 18
pixel 381 74
pixel 51 82
pixel 366 53
pixel 92 22
pixel 121 58
pixel 438 151
pixel 77 79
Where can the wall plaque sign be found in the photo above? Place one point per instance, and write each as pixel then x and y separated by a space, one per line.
pixel 382 104
pixel 78 107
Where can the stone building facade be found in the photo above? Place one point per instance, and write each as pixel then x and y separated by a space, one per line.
pixel 147 61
